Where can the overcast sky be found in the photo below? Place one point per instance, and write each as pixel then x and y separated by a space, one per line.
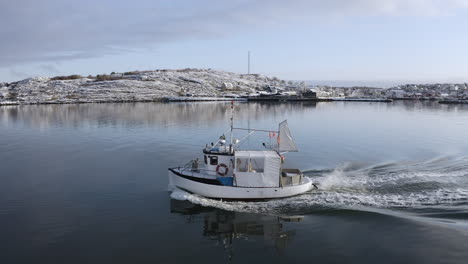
pixel 336 40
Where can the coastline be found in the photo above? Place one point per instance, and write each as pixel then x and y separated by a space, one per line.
pixel 138 86
pixel 197 85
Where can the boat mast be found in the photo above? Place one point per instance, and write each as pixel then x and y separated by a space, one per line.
pixel 278 138
pixel 232 126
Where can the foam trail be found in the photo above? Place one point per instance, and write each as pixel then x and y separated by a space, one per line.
pixel 407 186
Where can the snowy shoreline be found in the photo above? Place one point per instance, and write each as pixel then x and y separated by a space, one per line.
pixel 138 86
pixel 199 85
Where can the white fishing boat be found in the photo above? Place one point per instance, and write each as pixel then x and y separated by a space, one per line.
pixel 231 173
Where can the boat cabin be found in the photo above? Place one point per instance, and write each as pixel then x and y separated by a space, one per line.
pixel 257 168
pixel 250 169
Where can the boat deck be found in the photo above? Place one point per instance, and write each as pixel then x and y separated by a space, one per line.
pixel 291 177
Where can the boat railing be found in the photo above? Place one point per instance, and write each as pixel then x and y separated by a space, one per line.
pixel 199 171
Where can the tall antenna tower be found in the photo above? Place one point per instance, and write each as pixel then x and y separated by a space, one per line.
pixel 248 62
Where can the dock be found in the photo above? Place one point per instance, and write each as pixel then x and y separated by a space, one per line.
pixel 200 99
pixel 281 98
pixel 278 98
pixel 384 100
pixel 273 98
pixel 460 101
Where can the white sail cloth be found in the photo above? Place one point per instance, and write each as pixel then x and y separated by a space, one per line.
pixel 286 142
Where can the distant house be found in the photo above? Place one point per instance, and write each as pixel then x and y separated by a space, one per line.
pixel 227 86
pixel 310 93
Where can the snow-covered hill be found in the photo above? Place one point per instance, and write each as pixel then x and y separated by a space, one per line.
pixel 133 86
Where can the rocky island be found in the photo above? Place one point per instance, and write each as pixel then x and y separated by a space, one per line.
pixel 136 86
pixel 205 84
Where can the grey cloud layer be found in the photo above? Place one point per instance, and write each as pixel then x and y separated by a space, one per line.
pixel 54 30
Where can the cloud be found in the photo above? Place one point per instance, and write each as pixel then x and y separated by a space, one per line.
pixel 57 30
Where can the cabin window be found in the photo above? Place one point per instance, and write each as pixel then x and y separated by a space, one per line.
pixel 242 164
pixel 206 159
pixel 256 165
pixel 213 160
pixel 250 165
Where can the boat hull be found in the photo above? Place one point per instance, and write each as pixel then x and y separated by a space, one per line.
pixel 237 193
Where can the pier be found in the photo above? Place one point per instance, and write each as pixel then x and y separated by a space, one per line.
pixel 200 99
pixel 280 98
pixel 460 101
pixel 384 100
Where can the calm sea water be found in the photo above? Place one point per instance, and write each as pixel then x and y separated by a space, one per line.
pixel 88 184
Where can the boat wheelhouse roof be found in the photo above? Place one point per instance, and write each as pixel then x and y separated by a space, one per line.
pixel 218 150
pixel 256 154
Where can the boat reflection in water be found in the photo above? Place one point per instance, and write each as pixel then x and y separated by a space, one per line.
pixel 226 227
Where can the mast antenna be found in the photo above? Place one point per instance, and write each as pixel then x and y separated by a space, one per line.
pixel 248 62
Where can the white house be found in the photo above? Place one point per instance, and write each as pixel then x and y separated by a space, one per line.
pixel 227 86
pixel 321 93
